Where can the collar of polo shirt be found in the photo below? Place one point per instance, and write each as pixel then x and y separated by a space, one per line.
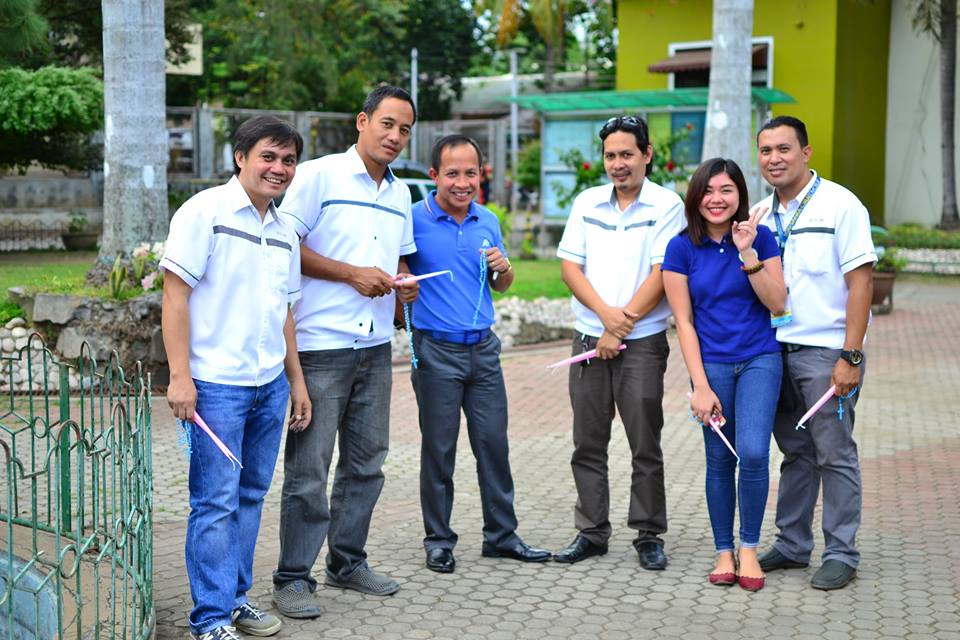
pixel 437 211
pixel 793 204
pixel 238 200
pixel 357 166
pixel 643 198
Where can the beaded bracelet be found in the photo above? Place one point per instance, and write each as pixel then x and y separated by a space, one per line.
pixel 752 270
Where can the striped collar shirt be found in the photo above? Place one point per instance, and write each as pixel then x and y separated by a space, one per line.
pixel 341 213
pixel 830 238
pixel 244 273
pixel 618 249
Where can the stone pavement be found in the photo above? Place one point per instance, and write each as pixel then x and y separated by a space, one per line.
pixel 909 578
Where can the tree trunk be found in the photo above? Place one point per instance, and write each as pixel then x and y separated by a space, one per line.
pixel 135 142
pixel 948 70
pixel 728 132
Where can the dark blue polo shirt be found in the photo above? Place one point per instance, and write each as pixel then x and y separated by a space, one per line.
pixel 731 322
pixel 445 304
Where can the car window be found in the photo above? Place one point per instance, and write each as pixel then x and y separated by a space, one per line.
pixel 415 194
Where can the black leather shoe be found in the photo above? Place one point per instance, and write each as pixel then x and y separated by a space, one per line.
pixel 520 550
pixel 833 574
pixel 773 560
pixel 651 554
pixel 441 560
pixel 580 549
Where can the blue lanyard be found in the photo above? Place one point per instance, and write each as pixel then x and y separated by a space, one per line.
pixel 782 234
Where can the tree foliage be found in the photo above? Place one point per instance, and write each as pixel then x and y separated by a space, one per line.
pixel 22 30
pixel 320 55
pixel 47 115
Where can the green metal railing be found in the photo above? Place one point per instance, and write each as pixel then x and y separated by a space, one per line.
pixel 76 506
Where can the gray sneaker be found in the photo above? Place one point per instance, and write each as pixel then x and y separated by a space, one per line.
pixel 220 633
pixel 251 620
pixel 365 580
pixel 295 600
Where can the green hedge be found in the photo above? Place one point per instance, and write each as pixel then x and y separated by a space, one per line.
pixel 915 236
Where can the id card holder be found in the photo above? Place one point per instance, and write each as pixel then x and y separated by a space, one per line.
pixel 784 318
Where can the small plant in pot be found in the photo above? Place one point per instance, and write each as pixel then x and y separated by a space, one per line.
pixel 79 236
pixel 888 265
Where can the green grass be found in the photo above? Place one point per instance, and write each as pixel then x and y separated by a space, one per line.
pixel 535 279
pixel 55 271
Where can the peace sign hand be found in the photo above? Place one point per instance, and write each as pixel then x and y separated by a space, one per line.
pixel 744 233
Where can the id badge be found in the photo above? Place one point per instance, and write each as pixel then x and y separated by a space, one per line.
pixel 784 318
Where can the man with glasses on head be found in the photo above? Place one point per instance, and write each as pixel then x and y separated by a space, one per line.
pixel 612 248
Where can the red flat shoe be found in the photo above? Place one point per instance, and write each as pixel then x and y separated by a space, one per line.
pixel 722 579
pixel 751 584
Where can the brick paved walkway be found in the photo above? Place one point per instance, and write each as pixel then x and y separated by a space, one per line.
pixel 909 578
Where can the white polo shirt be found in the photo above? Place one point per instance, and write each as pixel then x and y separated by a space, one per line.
pixel 618 249
pixel 831 238
pixel 244 273
pixel 340 212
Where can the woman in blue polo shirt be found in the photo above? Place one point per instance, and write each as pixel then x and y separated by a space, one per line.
pixel 724 282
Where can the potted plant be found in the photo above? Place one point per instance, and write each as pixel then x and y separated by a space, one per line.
pixel 79 236
pixel 888 265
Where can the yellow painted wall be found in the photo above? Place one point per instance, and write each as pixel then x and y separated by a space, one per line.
pixel 860 104
pixel 804 33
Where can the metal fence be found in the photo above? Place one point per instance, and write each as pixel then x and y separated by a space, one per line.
pixel 76 558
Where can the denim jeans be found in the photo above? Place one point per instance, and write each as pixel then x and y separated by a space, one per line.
pixel 748 392
pixel 350 392
pixel 225 500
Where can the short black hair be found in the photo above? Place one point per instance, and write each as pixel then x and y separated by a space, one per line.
pixel 257 128
pixel 375 97
pixel 453 140
pixel 696 225
pixel 787 121
pixel 631 124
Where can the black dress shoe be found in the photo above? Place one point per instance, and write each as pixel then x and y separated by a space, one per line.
pixel 773 560
pixel 580 549
pixel 519 550
pixel 833 574
pixel 441 560
pixel 651 554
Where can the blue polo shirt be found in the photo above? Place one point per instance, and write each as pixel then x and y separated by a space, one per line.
pixel 442 243
pixel 731 322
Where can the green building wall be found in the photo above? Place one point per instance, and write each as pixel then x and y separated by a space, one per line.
pixel 831 55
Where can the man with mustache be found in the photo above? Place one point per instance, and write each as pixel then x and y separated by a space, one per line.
pixel 353 218
pixel 612 249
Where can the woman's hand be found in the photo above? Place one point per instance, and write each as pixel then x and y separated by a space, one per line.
pixel 704 404
pixel 744 233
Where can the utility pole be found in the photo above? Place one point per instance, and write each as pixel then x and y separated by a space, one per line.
pixel 514 138
pixel 414 74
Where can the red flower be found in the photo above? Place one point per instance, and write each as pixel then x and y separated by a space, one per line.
pixel 689 126
pixel 671 165
pixel 586 166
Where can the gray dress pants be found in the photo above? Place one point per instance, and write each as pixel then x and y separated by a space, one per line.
pixel 633 383
pixel 824 453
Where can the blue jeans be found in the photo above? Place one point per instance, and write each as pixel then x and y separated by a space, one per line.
pixel 225 500
pixel 748 392
pixel 350 392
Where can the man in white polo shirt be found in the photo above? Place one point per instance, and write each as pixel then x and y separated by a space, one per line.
pixel 353 218
pixel 232 267
pixel 828 256
pixel 612 248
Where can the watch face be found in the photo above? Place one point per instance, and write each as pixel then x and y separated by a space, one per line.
pixel 853 356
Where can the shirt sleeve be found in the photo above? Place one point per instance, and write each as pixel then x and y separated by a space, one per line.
pixel 667 227
pixel 854 242
pixel 573 243
pixel 293 285
pixel 677 256
pixel 765 244
pixel 303 202
pixel 407 244
pixel 188 245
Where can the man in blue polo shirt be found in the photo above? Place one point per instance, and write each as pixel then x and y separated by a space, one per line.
pixel 459 356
